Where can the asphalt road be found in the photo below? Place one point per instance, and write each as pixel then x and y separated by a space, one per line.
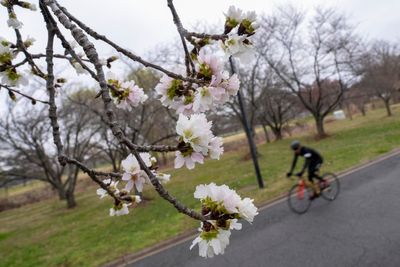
pixel 360 228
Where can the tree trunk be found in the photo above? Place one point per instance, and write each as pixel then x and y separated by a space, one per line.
pixel 266 133
pixel 362 109
pixel 277 132
pixel 349 113
pixel 387 105
pixel 71 203
pixel 61 194
pixel 60 190
pixel 319 122
pixel 253 132
pixel 71 183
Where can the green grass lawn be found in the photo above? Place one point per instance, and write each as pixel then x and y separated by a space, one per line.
pixel 47 234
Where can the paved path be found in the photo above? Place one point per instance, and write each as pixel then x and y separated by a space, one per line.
pixel 360 228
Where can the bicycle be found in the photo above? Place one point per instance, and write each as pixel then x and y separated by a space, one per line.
pixel 299 195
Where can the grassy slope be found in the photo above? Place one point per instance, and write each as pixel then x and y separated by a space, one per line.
pixel 46 234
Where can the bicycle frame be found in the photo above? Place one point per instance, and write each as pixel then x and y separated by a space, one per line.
pixel 303 184
pixel 300 192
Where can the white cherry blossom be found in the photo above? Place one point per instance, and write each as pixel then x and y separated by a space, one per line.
pixel 132 174
pixel 121 209
pixel 14 23
pixel 247 210
pixel 208 247
pixel 111 184
pixel 188 160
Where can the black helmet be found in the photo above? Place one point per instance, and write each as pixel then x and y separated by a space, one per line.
pixel 295 145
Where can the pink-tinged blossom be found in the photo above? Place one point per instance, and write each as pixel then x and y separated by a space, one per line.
pixel 135 96
pixel 233 84
pixel 209 65
pixel 182 108
pixel 215 148
pixel 188 160
pixel 132 174
pixel 203 99
pixel 196 131
pixel 162 89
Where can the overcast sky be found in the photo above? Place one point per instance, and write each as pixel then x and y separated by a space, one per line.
pixel 139 25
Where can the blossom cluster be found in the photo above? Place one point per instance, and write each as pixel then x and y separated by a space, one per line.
pixel 239 27
pixel 9 74
pixel 222 207
pixel 190 98
pixel 125 94
pixel 134 177
pixel 196 141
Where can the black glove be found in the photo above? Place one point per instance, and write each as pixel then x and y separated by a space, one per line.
pixel 299 174
pixel 288 174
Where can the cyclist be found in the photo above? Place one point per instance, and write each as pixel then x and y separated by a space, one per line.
pixel 313 162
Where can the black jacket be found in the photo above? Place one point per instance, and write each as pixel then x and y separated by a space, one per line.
pixel 310 155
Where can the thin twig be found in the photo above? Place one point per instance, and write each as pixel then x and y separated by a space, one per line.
pixel 125 52
pixel 24 95
pixel 190 68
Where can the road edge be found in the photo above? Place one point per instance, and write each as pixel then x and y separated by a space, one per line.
pixel 135 257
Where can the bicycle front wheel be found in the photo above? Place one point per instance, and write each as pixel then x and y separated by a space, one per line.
pixel 299 199
pixel 332 188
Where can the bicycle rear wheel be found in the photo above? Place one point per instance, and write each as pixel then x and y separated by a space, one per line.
pixel 299 198
pixel 331 191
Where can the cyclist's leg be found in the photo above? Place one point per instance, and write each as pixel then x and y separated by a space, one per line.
pixel 311 175
pixel 316 169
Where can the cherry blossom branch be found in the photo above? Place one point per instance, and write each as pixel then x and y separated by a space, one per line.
pixel 156 148
pixel 65 43
pixel 125 52
pixel 34 100
pixel 21 46
pixel 54 120
pixel 51 89
pixel 37 56
pixel 92 55
pixel 93 175
pixel 216 37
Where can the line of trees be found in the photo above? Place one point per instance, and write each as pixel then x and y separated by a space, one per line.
pixel 316 65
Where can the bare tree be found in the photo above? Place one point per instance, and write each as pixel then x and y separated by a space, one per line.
pixel 25 136
pixel 357 96
pixel 25 152
pixel 381 75
pixel 314 61
pixel 276 107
